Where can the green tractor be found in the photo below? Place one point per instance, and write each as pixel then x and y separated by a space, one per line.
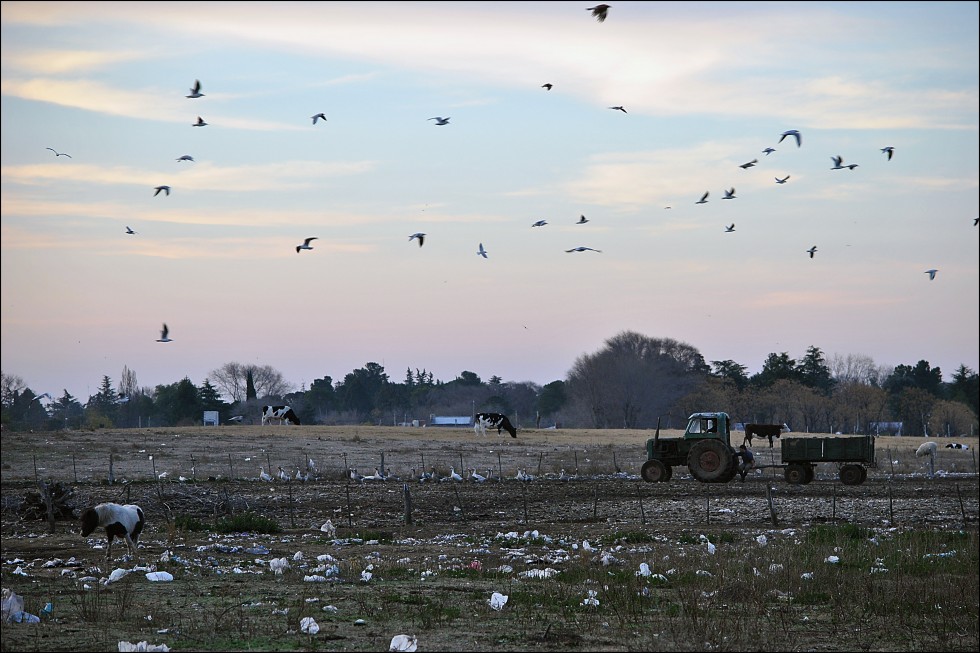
pixel 706 449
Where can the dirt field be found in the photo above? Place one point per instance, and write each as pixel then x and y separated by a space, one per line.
pixel 464 540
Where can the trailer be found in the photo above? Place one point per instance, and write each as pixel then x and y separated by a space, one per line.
pixel 853 454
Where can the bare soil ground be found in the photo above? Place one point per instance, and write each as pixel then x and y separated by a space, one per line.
pixel 434 552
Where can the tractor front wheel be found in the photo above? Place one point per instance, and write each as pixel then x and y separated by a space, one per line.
pixel 654 471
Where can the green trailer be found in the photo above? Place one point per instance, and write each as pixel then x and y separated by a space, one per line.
pixel 854 454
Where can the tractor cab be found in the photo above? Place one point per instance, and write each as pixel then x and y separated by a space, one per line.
pixel 708 425
pixel 705 449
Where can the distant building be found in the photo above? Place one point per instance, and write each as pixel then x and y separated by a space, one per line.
pixel 886 428
pixel 441 420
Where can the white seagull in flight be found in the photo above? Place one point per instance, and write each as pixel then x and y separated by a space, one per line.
pixel 746 166
pixel 419 235
pixel 185 157
pixel 582 219
pixel 540 223
pixel 165 189
pixel 768 151
pixel 130 231
pixel 164 334
pixel 932 274
pixel 794 133
pixel 730 228
pixel 200 122
pixel 781 181
pixel 318 116
pixel 57 153
pixel 812 251
pixel 619 108
pixel 440 121
pixel 729 194
pixel 306 244
pixel 889 151
pixel 839 163
pixel 704 198
pixel 196 90
pixel 582 249
pixel 482 252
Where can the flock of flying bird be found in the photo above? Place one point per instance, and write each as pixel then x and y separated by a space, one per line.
pixel 600 13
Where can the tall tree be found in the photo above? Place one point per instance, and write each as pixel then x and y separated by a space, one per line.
pixel 776 367
pixel 734 372
pixel 813 371
pixel 965 388
pixel 250 392
pixel 231 379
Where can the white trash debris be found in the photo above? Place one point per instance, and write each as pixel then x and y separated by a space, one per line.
pixel 403 643
pixel 497 601
pixel 309 626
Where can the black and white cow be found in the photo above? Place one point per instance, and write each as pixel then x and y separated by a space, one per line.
pixel 281 413
pixel 484 421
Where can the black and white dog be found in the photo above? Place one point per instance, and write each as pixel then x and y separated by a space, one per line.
pixel 484 421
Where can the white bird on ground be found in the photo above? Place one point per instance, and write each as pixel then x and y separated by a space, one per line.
pixel 582 249
pixel 300 476
pixel 781 181
pixel 57 153
pixel 263 475
pixel 164 334
pixel 306 244
pixel 200 122
pixel 158 189
pixel 476 476
pixel 196 90
pixel 317 116
pixel 482 252
pixel 582 219
pixel 440 121
pixel 185 157
pixel 730 228
pixel 419 235
pixel 729 194
pixel 794 133
pixel 748 165
pixel 453 476
pixel 889 151
pixel 812 251
pixel 283 476
pixel 355 476
pixel 599 11
pixel 769 150
pixel 130 231
pixel 931 273
pixel 704 198
pixel 540 223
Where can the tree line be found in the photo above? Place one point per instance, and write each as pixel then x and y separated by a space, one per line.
pixel 632 382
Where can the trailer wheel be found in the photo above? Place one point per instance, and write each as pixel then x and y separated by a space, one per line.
pixel 796 474
pixel 711 461
pixel 851 475
pixel 809 474
pixel 654 471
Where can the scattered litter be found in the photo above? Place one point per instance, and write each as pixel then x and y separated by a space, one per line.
pixel 497 601
pixel 278 565
pixel 644 570
pixel 403 643
pixel 591 600
pixel 309 626
pixel 160 576
pixel 762 540
pixel 359 622
pixel 125 647
pixel 832 560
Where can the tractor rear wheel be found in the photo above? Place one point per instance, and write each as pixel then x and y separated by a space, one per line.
pixel 711 461
pixel 796 474
pixel 654 471
pixel 851 474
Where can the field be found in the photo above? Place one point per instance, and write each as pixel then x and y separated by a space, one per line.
pixel 592 559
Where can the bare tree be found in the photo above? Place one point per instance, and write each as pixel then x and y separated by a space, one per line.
pixel 230 379
pixel 10 387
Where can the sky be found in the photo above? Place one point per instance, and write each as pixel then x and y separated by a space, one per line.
pixel 706 87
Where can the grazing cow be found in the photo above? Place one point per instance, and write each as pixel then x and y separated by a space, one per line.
pixel 484 421
pixel 125 522
pixel 281 413
pixel 763 431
